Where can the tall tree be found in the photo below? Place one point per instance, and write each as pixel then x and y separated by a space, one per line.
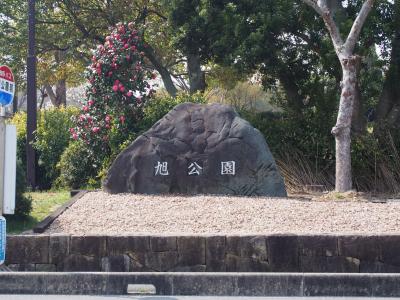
pixel 349 61
pixel 388 108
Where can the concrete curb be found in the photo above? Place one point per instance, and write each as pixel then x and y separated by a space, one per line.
pixel 204 284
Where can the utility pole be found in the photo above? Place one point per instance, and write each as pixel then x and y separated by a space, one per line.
pixel 31 98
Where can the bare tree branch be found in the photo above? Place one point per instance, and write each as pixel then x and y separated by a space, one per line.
pixel 357 26
pixel 152 11
pixel 315 6
pixel 179 74
pixel 322 9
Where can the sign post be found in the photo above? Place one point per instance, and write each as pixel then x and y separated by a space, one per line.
pixel 7 90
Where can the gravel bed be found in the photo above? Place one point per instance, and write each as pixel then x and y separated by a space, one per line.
pixel 102 213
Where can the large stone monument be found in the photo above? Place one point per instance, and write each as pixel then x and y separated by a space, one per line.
pixel 197 149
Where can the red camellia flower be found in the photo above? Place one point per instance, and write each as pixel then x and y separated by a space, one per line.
pixel 109 98
pixel 121 29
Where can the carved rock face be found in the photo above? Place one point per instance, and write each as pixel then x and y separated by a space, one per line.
pixel 197 149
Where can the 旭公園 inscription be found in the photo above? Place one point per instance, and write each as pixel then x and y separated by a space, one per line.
pixel 195 168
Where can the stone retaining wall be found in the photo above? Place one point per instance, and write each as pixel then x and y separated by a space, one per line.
pixel 272 253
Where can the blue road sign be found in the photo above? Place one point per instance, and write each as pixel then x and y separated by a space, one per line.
pixel 7 86
pixel 2 240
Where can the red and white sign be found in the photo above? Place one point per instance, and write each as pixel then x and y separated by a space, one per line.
pixel 6 73
pixel 7 85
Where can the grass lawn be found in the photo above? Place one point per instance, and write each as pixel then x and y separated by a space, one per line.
pixel 43 203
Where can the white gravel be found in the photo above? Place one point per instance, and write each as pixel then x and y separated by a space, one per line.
pixel 102 213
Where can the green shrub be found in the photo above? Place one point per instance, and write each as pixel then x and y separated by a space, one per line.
pixel 376 162
pixel 78 166
pixel 302 146
pixel 52 137
pixel 305 151
pixel 23 203
pixel 19 120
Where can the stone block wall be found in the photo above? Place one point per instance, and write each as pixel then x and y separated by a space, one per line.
pixel 270 253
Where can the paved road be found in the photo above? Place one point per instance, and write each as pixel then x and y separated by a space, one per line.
pixel 57 297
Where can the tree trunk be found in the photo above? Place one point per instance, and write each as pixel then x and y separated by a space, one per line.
pixel 291 89
pixel 342 129
pixel 61 93
pixel 389 100
pixel 197 79
pixel 359 121
pixel 163 71
pixel 50 93
pixel 58 98
pixel 43 96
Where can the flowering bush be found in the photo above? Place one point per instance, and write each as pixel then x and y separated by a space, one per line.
pixel 118 88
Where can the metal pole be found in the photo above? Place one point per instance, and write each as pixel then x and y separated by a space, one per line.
pixel 15 101
pixel 2 154
pixel 31 98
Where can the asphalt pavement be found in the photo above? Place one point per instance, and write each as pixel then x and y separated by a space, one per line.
pixel 74 297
